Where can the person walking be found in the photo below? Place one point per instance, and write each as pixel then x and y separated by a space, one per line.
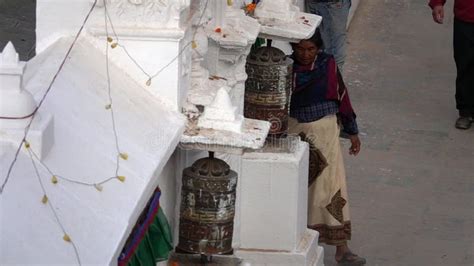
pixel 333 27
pixel 319 99
pixel 463 56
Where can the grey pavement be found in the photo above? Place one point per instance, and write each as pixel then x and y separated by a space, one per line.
pixel 17 24
pixel 411 189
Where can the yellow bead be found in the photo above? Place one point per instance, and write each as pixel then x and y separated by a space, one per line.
pixel 121 178
pixel 194 45
pixel 109 39
pixel 229 2
pixel 27 144
pixel 66 238
pixel 113 45
pixel 148 82
pixel 54 179
pixel 44 200
pixel 98 187
pixel 124 156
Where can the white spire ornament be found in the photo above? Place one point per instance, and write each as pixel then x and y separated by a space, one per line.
pixel 17 107
pixel 221 114
pixel 15 102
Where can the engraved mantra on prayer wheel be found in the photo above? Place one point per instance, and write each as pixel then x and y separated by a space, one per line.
pixel 268 87
pixel 207 207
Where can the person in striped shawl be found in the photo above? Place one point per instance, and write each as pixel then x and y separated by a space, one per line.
pixel 319 103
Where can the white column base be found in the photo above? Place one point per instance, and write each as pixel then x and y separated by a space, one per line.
pixel 308 253
pixel 40 136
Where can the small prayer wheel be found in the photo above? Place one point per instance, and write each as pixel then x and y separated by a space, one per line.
pixel 268 87
pixel 207 207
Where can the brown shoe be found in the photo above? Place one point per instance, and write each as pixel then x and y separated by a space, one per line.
pixel 463 122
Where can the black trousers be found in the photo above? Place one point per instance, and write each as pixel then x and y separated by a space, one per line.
pixel 464 57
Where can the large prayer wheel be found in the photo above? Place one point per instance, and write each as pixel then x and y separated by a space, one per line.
pixel 268 87
pixel 207 207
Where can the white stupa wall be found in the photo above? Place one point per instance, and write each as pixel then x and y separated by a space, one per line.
pixel 54 19
pixel 153 54
pixel 154 37
pixel 167 182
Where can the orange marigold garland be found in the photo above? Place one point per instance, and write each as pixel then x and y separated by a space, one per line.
pixel 250 8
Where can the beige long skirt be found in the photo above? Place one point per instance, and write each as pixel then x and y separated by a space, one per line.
pixel 328 208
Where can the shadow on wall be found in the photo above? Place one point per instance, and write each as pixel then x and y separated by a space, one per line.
pixel 17 24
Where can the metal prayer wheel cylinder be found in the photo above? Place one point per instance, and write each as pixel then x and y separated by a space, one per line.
pixel 268 87
pixel 207 207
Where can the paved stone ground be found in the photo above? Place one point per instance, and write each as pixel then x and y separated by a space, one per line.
pixel 17 24
pixel 412 186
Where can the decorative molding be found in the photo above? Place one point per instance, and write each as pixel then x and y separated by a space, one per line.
pixel 147 13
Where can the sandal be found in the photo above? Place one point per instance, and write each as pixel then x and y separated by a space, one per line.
pixel 351 259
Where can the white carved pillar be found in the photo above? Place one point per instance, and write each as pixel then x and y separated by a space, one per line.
pixel 219 7
pixel 231 35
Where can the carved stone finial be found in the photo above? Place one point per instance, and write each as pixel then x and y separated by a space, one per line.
pixel 9 55
pixel 19 105
pixel 14 100
pixel 223 105
pixel 221 114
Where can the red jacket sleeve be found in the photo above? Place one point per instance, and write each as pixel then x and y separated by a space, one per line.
pixel 434 3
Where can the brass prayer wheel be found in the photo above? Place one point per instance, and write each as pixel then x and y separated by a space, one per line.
pixel 207 207
pixel 268 87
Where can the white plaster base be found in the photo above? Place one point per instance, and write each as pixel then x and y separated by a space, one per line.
pixel 273 207
pixel 308 253
pixel 274 187
pixel 40 136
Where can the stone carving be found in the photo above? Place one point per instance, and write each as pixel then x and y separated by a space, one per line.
pixel 149 13
pixel 276 11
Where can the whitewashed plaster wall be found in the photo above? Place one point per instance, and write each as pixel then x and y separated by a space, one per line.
pixel 98 222
pixel 54 20
pixel 167 183
pixel 153 40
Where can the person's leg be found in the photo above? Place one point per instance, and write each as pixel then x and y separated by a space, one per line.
pixel 333 26
pixel 463 44
pixel 322 9
pixel 339 12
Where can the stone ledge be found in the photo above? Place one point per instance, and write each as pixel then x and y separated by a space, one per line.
pixel 308 253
